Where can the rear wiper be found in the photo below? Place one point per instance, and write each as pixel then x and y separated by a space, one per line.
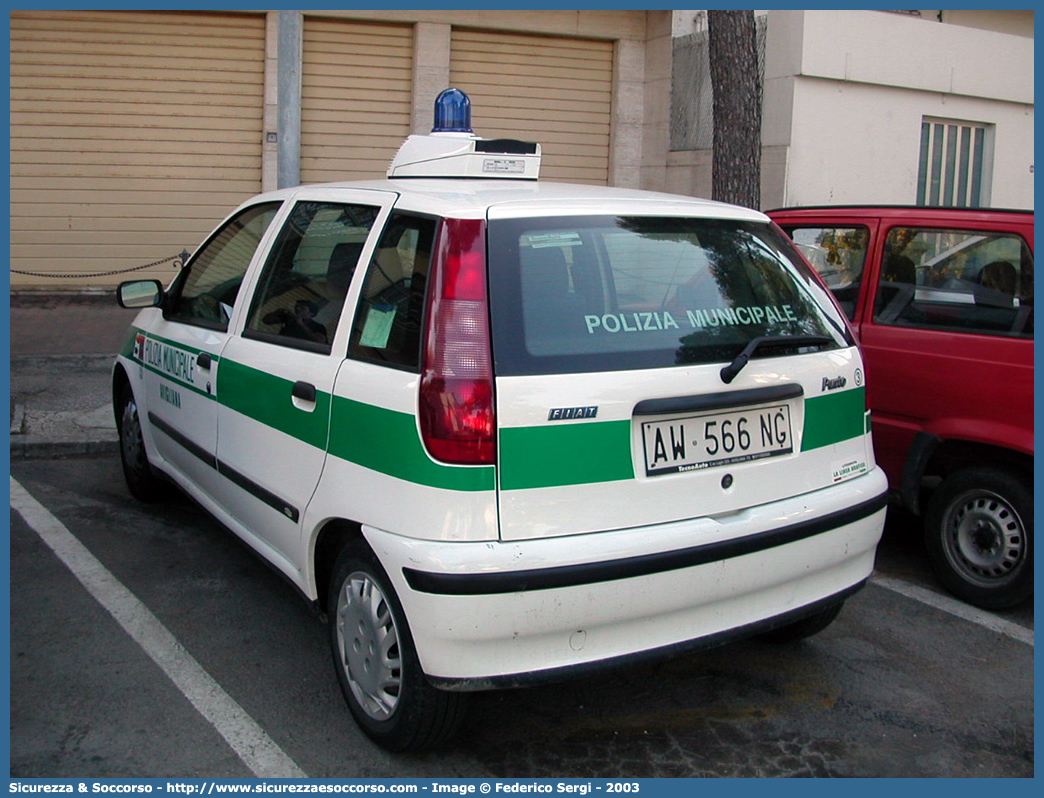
pixel 729 372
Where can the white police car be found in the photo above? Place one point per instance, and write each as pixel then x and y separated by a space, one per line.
pixel 503 431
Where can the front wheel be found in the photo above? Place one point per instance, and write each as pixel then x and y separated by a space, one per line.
pixel 143 482
pixel 376 663
pixel 979 536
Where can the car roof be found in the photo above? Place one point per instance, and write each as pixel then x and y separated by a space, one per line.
pixel 471 198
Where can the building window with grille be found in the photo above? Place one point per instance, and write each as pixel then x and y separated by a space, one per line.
pixel 955 165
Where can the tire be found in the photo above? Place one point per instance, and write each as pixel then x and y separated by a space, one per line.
pixel 979 536
pixel 142 480
pixel 805 627
pixel 376 662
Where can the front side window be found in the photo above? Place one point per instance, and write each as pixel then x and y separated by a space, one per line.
pixel 206 291
pixel 389 318
pixel 956 280
pixel 839 255
pixel 303 285
pixel 581 294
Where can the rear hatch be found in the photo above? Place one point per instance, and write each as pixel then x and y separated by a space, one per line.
pixel 652 368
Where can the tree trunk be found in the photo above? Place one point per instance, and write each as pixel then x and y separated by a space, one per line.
pixel 736 175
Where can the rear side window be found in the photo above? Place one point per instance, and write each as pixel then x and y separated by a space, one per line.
pixel 956 280
pixel 582 294
pixel 388 320
pixel 839 255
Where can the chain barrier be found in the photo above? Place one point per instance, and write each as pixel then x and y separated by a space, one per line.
pixel 178 259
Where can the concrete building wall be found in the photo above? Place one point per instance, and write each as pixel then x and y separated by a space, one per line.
pixel 842 155
pixel 1015 22
pixel 846 92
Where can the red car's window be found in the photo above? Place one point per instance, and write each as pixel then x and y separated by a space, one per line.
pixel 957 280
pixel 839 255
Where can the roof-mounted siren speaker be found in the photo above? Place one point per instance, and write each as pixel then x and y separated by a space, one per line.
pixel 453 150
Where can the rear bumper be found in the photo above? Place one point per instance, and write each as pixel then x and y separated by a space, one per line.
pixel 502 614
pixel 725 637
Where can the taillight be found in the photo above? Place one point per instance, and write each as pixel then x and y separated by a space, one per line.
pixel 456 392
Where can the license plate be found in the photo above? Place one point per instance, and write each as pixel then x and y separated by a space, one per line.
pixel 708 440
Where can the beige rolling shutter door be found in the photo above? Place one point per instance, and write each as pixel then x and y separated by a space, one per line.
pixel 555 91
pixel 356 83
pixel 132 135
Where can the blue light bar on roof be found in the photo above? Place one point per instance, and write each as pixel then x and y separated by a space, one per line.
pixel 452 150
pixel 452 112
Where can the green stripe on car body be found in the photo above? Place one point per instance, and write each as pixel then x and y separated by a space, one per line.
pixel 382 440
pixel 834 417
pixel 267 399
pixel 576 454
pixel 569 454
pixel 130 343
pixel 389 442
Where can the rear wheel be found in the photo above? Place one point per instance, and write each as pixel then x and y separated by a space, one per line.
pixel 805 627
pixel 376 663
pixel 979 535
pixel 143 482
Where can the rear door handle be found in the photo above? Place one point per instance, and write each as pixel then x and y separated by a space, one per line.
pixel 304 391
pixel 203 361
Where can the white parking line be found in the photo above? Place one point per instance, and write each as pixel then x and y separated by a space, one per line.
pixel 958 608
pixel 257 750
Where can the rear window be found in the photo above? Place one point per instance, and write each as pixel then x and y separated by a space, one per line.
pixel 583 294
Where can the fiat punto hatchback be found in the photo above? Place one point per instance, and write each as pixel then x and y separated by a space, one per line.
pixel 503 431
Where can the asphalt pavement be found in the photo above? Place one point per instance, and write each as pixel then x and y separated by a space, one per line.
pixel 62 350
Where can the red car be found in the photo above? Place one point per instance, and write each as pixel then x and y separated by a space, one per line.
pixel 942 301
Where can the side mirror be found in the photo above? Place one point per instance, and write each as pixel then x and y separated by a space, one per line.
pixel 140 294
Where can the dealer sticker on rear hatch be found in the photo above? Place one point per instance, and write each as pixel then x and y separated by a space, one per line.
pixel 704 441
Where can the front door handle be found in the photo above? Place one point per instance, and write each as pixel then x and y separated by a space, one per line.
pixel 203 361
